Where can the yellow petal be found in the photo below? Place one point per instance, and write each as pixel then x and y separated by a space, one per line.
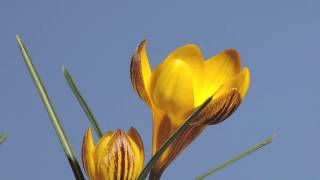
pixel 171 88
pixel 107 157
pixel 241 82
pixel 219 108
pixel 192 56
pixel 219 70
pixel 136 160
pixel 162 129
pixel 140 72
pixel 134 135
pixel 88 154
pixel 100 146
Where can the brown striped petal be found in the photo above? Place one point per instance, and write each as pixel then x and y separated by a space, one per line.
pixel 219 108
pixel 121 159
pixel 140 72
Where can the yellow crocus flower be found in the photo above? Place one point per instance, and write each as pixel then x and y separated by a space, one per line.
pixel 180 84
pixel 116 156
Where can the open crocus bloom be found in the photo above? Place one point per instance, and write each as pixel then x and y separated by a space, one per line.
pixel 116 156
pixel 181 83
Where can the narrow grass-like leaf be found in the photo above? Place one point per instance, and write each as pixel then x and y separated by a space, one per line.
pixel 3 137
pixel 171 139
pixel 51 111
pixel 82 102
pixel 236 158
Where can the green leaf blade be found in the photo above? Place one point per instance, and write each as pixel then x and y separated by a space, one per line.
pixel 3 137
pixel 82 102
pixel 236 158
pixel 51 111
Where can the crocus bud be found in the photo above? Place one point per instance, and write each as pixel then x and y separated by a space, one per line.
pixel 117 155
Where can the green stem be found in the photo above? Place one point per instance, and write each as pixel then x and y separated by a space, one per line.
pixel 51 111
pixel 3 137
pixel 171 139
pixel 82 102
pixel 227 163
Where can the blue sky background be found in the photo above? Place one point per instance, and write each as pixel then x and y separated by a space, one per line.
pixel 278 41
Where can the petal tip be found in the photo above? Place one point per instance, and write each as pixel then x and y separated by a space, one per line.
pixel 246 82
pixel 135 136
pixel 140 72
pixel 87 136
pixel 142 44
pixel 233 53
pixel 192 45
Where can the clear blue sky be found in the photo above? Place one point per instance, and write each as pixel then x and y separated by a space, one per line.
pixel 278 41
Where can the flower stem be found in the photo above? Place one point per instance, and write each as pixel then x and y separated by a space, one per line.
pixel 227 163
pixel 171 139
pixel 51 111
pixel 3 137
pixel 82 102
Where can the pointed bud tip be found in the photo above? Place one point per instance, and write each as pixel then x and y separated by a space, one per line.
pixel 144 41
pixel 142 44
pixel 119 132
pixel 233 53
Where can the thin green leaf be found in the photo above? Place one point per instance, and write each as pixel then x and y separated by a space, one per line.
pixel 51 111
pixel 227 163
pixel 171 139
pixel 82 102
pixel 3 137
